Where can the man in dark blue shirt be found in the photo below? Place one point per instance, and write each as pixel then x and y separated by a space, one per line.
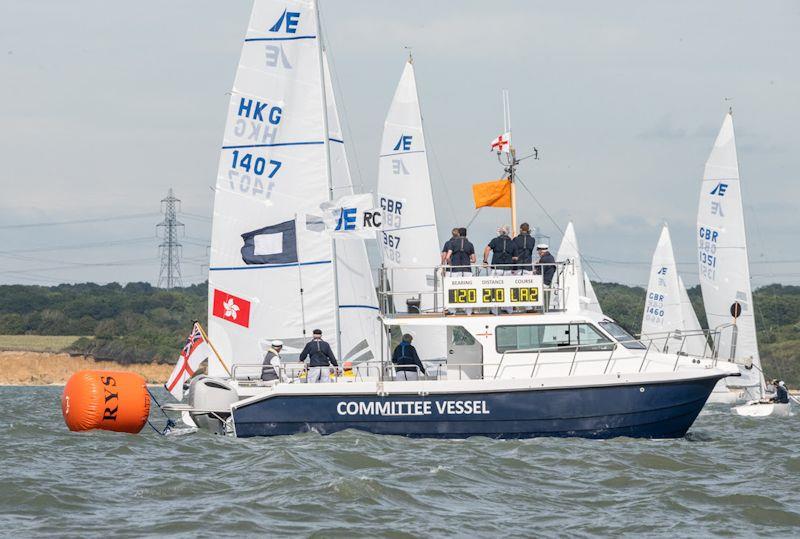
pixel 781 393
pixel 320 360
pixel 408 365
pixel 525 244
pixel 503 253
pixel 447 244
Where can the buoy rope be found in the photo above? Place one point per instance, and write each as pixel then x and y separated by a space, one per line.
pixel 170 423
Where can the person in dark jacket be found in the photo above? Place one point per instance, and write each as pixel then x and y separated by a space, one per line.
pixel 503 253
pixel 447 244
pixel 408 364
pixel 546 265
pixel 781 393
pixel 320 359
pixel 525 244
pixel 460 257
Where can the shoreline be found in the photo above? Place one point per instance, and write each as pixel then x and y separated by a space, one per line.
pixel 26 368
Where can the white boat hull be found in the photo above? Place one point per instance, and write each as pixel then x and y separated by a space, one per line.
pixel 762 409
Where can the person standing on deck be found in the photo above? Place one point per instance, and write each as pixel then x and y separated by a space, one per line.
pixel 460 257
pixel 503 253
pixel 321 359
pixel 447 244
pixel 272 362
pixel 524 243
pixel 408 364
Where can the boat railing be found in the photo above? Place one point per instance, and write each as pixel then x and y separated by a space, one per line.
pixel 677 341
pixel 430 298
pixel 441 369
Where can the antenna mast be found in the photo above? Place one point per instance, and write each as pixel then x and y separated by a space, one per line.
pixel 170 274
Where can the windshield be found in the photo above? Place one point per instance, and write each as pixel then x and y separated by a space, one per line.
pixel 619 333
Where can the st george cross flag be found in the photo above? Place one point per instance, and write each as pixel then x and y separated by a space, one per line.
pixel 502 143
pixel 192 355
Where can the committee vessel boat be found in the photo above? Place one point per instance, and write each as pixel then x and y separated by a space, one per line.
pixel 550 365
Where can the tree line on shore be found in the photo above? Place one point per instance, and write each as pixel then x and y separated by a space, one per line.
pixel 138 322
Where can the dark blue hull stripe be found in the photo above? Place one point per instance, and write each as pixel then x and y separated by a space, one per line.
pixel 662 410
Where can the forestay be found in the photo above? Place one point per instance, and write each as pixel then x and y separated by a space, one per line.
pixel 722 252
pixel 409 238
pixel 358 302
pixel 665 321
pixel 272 171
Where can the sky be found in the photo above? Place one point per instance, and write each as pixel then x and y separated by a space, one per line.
pixel 107 105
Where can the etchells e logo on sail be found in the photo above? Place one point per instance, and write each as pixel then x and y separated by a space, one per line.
pixel 403 143
pixel 288 20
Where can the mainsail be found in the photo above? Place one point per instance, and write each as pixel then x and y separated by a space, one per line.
pixel 724 269
pixel 668 314
pixel 358 302
pixel 409 240
pixel 269 275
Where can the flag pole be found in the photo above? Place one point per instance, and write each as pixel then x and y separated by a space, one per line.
pixel 513 162
pixel 203 333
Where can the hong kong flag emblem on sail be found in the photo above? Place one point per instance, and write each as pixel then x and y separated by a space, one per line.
pixel 231 308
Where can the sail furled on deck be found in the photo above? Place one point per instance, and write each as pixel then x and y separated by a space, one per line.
pixel 409 240
pixel 664 321
pixel 722 256
pixel 358 302
pixel 272 171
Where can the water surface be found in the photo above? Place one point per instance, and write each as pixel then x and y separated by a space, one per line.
pixel 730 476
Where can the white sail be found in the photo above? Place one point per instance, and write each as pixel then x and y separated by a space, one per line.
pixel 664 321
pixel 722 252
pixel 592 303
pixel 409 238
pixel 695 344
pixel 571 279
pixel 272 171
pixel 358 302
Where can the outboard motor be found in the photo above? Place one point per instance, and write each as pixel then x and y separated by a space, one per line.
pixel 210 399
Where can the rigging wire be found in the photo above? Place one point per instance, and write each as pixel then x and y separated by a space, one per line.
pixel 541 207
pixel 80 221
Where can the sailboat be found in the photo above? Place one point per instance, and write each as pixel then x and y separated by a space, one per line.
pixel 725 272
pixel 409 240
pixel 575 292
pixel 271 276
pixel 669 321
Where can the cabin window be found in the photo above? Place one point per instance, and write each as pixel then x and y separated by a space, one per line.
pixel 549 338
pixel 618 332
pixel 462 337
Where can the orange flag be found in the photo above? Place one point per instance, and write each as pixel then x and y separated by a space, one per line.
pixel 496 194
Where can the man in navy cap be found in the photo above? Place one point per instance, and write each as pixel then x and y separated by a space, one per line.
pixel 320 360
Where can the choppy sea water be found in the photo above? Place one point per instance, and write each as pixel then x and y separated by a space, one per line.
pixel 730 476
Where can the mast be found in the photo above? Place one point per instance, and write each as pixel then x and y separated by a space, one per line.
pixel 326 144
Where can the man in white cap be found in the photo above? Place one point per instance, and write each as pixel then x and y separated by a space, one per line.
pixel 272 362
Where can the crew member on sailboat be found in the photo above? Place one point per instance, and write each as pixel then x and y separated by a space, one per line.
pixel 781 393
pixel 320 360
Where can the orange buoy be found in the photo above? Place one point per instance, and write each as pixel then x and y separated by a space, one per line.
pixel 106 400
